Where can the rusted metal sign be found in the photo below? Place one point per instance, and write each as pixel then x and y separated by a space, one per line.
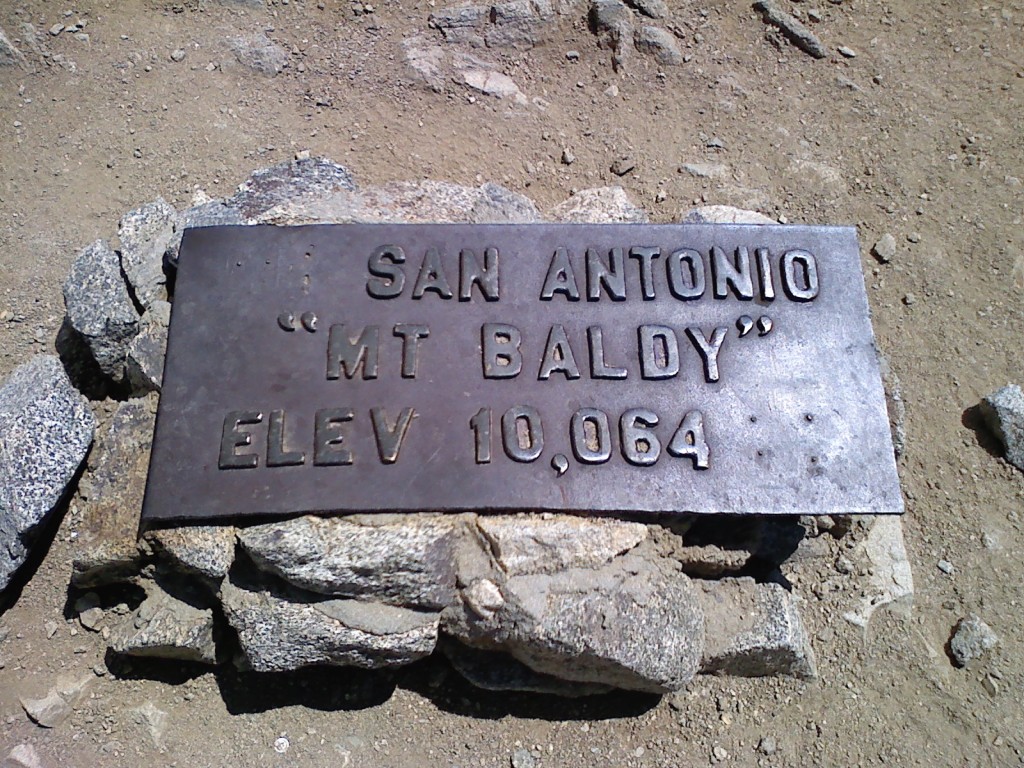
pixel 682 368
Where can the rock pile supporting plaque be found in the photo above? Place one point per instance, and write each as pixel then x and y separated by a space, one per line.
pixel 537 602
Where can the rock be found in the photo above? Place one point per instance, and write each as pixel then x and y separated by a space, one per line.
pixel 612 22
pixel 146 234
pixel 885 249
pixel 426 60
pixel 1003 412
pixel 281 631
pixel 153 719
pixel 203 550
pixel 767 746
pixel 972 638
pixel 494 671
pixel 212 213
pixel 521 758
pixel 518 23
pixel 54 708
pixel 258 53
pixel 659 43
pixel 704 170
pixel 792 28
pixel 723 214
pixel 289 183
pixel 463 23
pixel 603 205
pixel 623 165
pixel 533 544
pixel 656 9
pixel 710 561
pixel 90 614
pixel 407 563
pixel 99 307
pixel 46 429
pixel 568 158
pixel 9 55
pixel 22 756
pixel 178 54
pixel 110 496
pixel 167 626
pixel 890 581
pixel 754 630
pixel 494 84
pixel 594 625
pixel 145 361
pixel 946 567
pixel 847 52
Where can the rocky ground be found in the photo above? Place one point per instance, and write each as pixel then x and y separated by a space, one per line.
pixel 906 126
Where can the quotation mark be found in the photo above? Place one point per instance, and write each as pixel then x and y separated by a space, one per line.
pixel 560 464
pixel 746 324
pixel 286 321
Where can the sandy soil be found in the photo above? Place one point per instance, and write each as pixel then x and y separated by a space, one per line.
pixel 918 135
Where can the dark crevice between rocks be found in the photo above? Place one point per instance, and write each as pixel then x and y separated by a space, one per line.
pixel 82 369
pixel 111 596
pixel 139 306
pixel 41 538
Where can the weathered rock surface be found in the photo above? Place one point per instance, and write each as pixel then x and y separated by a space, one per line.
pixel 656 9
pixel 658 43
pixel 9 55
pixel 260 54
pixel 603 205
pixel 519 24
pixel 212 213
pixel 146 235
pixel 426 59
pixel 203 550
pixel 22 756
pixel 532 544
pixel 890 582
pixel 494 84
pixel 723 214
pixel 288 184
pixel 283 631
pixel 1003 411
pixel 46 429
pixel 167 627
pixel 99 307
pixel 612 22
pixel 797 33
pixel 972 638
pixel 145 360
pixel 53 708
pixel 408 563
pixel 754 630
pixel 110 496
pixel 591 625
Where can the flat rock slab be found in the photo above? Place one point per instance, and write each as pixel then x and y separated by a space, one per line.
pixel 46 428
pixel 168 627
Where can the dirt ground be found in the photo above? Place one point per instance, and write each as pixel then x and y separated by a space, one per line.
pixel 918 135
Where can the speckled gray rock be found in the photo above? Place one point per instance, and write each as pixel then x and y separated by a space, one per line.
pixel 1003 411
pixel 99 307
pixel 972 638
pixel 754 630
pixel 658 43
pixel 532 544
pixel 204 550
pixel 408 563
pixel 145 360
pixel 46 429
pixel 656 9
pixel 288 183
pixel 212 213
pixel 612 22
pixel 168 627
pixel 260 54
pixel 603 205
pixel 146 234
pixel 590 625
pixel 283 631
pixel 494 671
pixel 9 55
pixel 723 214
pixel 110 496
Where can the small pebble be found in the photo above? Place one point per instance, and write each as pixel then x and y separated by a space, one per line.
pixel 885 249
pixel 623 165
pixel 611 91
pixel 178 54
pixel 572 55
pixel 767 746
pixel 56 29
pixel 909 299
pixel 568 158
pixel 847 52
pixel 914 237
pixel 281 744
pixel 946 567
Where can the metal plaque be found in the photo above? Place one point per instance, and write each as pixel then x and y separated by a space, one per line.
pixel 585 368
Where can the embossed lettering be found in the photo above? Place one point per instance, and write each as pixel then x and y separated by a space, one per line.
pixel 390 437
pixel 558 356
pixel 590 435
pixel 640 446
pixel 764 273
pixel 560 278
pixel 277 456
pixel 659 352
pixel 410 335
pixel 481 426
pixel 483 276
pixel 610 274
pixel 645 260
pixel 685 271
pixel 689 440
pixel 805 286
pixel 232 438
pixel 388 278
pixel 522 434
pixel 329 438
pixel 432 277
pixel 708 349
pixel 599 369
pixel 349 355
pixel 499 347
pixel 735 273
